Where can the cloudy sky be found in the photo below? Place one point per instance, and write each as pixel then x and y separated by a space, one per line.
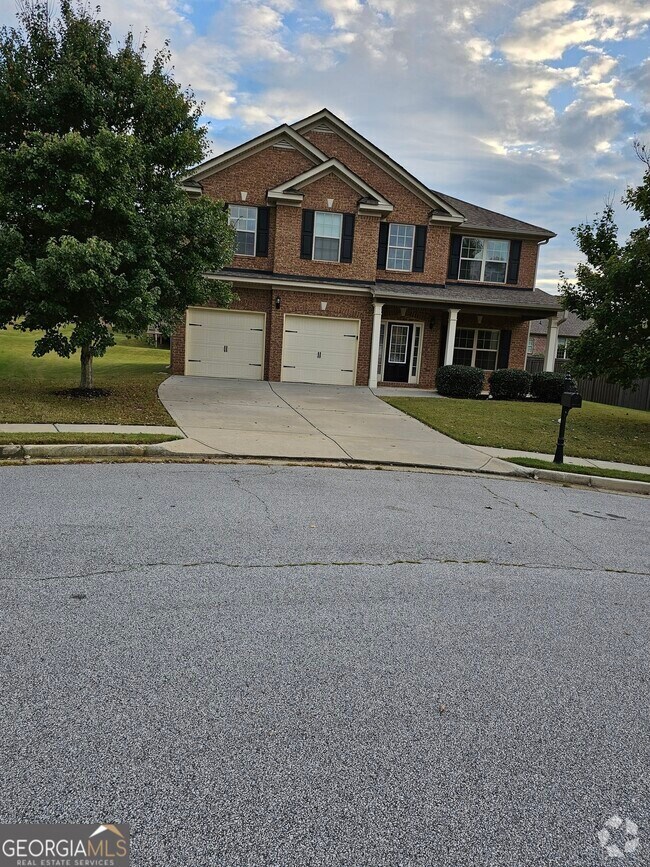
pixel 521 106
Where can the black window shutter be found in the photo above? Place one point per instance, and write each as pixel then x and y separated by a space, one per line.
pixel 504 349
pixel 454 257
pixel 347 237
pixel 307 235
pixel 419 248
pixel 443 343
pixel 262 246
pixel 382 253
pixel 513 262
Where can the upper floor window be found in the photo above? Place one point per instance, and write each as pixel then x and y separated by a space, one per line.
pixel 327 236
pixel 401 239
pixel 244 221
pixel 476 347
pixel 484 259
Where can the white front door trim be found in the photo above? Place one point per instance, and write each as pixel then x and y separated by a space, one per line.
pixel 413 379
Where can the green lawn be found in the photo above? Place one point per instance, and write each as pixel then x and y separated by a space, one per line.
pixel 608 433
pixel 580 470
pixel 131 370
pixel 46 439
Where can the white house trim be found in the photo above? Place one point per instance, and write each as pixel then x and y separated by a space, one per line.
pixel 287 190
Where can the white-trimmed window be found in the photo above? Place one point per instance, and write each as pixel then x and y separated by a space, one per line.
pixel 484 259
pixel 243 219
pixel 327 237
pixel 531 345
pixel 401 240
pixel 476 347
pixel 563 345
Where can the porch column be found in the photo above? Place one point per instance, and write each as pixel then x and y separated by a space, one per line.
pixel 451 335
pixel 374 345
pixel 551 343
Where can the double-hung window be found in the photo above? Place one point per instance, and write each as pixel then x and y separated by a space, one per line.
pixel 327 237
pixel 484 259
pixel 476 347
pixel 243 219
pixel 401 239
pixel 562 347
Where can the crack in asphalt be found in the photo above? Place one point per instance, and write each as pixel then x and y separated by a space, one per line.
pixel 553 530
pixel 424 561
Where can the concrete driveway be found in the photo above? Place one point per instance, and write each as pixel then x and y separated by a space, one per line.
pixel 296 420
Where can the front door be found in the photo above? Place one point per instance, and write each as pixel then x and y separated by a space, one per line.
pixel 398 352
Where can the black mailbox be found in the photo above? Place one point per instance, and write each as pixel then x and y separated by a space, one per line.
pixel 571 400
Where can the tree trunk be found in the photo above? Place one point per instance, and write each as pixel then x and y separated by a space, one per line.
pixel 86 380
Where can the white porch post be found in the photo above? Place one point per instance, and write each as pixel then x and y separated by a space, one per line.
pixel 451 334
pixel 374 345
pixel 551 343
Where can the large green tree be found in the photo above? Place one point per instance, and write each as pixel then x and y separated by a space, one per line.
pixel 612 289
pixel 96 233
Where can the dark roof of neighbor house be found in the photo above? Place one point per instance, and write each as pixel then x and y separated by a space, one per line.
pixel 482 218
pixel 464 293
pixel 573 326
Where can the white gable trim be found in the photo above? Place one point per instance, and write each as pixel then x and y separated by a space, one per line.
pixel 283 135
pixel 287 190
pixel 450 215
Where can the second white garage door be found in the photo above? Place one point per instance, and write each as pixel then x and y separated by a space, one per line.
pixel 320 349
pixel 227 343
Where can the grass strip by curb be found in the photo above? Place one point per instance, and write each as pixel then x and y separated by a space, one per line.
pixel 78 439
pixel 580 470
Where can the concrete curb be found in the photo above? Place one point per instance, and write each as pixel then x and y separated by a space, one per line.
pixel 89 451
pixel 70 450
pixel 626 486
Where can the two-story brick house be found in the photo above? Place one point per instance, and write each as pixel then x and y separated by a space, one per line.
pixel 350 271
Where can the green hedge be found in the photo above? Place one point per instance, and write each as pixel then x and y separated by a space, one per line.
pixel 547 386
pixel 510 384
pixel 457 380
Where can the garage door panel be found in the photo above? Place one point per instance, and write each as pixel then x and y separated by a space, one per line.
pixel 320 349
pixel 225 343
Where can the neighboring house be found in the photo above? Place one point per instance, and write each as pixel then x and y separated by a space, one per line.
pixel 568 330
pixel 350 271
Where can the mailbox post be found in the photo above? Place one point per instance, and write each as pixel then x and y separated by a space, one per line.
pixel 570 400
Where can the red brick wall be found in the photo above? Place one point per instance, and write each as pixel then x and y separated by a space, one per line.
pixel 255 175
pixel 366 234
pixel 408 208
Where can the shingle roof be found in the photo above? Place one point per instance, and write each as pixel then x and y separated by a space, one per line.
pixel 572 327
pixel 490 296
pixel 482 218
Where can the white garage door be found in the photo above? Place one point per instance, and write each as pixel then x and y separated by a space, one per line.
pixel 320 349
pixel 226 343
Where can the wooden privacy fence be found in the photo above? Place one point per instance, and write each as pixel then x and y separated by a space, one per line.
pixel 601 391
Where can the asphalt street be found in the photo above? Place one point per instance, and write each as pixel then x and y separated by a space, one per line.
pixel 257 665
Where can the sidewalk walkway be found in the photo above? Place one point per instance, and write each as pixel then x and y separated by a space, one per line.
pixel 90 428
pixel 584 462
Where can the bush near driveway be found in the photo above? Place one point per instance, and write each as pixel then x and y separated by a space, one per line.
pixel 457 380
pixel 131 370
pixel 608 433
pixel 510 384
